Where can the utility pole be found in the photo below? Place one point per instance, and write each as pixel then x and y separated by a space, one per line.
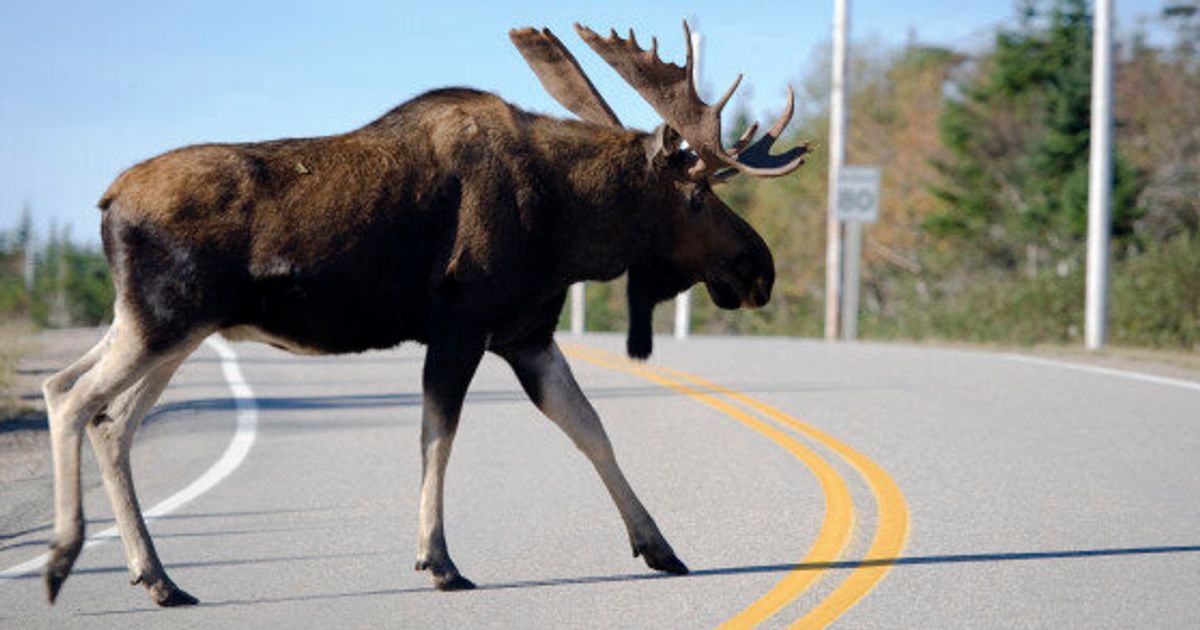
pixel 25 232
pixel 56 259
pixel 683 301
pixel 578 301
pixel 837 155
pixel 29 269
pixel 1099 179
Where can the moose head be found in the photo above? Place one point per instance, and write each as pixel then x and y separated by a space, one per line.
pixel 704 240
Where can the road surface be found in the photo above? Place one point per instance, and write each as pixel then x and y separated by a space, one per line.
pixel 867 486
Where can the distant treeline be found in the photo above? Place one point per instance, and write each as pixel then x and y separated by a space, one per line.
pixel 52 281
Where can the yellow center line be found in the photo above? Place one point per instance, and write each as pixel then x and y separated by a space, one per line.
pixel 892 528
pixel 838 522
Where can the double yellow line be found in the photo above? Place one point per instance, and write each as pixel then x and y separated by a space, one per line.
pixel 838 523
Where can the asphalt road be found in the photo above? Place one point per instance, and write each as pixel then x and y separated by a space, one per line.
pixel 871 486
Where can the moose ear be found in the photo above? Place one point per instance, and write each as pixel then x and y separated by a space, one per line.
pixel 664 143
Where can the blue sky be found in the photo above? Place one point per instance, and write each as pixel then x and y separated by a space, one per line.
pixel 90 88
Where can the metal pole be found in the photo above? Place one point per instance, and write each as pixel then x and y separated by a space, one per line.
pixel 28 246
pixel 850 293
pixel 59 318
pixel 1100 180
pixel 683 313
pixel 578 295
pixel 683 301
pixel 837 154
pixel 29 268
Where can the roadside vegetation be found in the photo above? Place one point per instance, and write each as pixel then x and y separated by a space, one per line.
pixel 52 282
pixel 56 284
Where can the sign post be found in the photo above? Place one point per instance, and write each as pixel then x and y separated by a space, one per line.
pixel 858 203
pixel 578 301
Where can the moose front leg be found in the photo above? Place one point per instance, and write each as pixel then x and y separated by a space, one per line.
pixel 547 379
pixel 450 363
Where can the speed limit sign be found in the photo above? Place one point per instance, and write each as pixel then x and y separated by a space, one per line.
pixel 858 194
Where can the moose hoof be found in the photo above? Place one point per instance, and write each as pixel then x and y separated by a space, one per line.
pixel 58 567
pixel 661 558
pixel 667 564
pixel 454 582
pixel 169 596
pixel 54 581
pixel 445 578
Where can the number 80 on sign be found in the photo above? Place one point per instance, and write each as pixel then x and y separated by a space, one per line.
pixel 858 194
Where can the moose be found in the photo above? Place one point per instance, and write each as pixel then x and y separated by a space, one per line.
pixel 456 220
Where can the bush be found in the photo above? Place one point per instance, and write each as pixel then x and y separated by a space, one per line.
pixel 991 308
pixel 1156 296
pixel 1154 300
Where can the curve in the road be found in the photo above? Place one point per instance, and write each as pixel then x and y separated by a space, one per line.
pixel 890 532
pixel 837 524
pixel 230 460
pixel 892 527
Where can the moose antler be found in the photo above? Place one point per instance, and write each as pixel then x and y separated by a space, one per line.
pixel 671 91
pixel 561 75
pixel 745 139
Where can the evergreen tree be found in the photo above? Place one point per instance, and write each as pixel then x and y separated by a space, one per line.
pixel 1016 178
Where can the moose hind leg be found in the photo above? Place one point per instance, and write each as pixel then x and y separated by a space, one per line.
pixel 546 377
pixel 75 397
pixel 111 435
pixel 449 367
pixel 65 439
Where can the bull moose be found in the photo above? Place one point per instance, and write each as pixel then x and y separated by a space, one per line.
pixel 456 220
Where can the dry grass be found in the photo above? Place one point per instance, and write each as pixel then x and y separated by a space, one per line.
pixel 15 342
pixel 1183 364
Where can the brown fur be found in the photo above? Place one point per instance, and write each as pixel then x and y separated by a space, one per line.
pixel 456 191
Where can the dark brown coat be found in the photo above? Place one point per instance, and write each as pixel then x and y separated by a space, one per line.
pixel 355 241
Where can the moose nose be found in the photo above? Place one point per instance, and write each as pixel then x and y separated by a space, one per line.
pixel 760 293
pixel 760 298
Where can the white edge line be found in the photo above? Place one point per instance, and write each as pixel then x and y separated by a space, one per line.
pixel 1079 367
pixel 234 455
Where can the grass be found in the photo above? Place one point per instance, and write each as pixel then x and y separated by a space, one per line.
pixel 14 344
pixel 1183 361
pixel 1170 362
